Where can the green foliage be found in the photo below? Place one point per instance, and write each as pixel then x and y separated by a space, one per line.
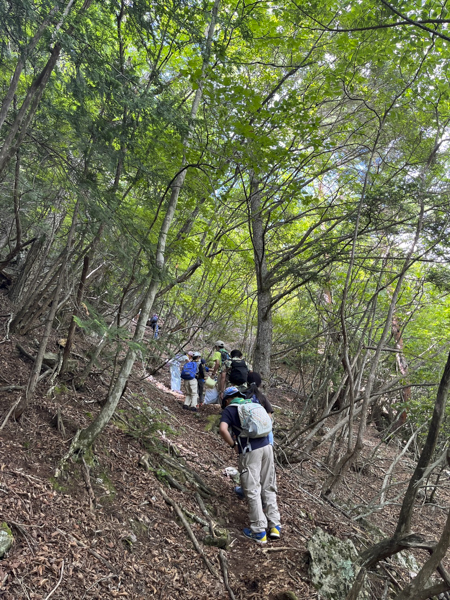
pixel 341 118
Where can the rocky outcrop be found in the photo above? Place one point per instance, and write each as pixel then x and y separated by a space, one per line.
pixel 6 539
pixel 333 566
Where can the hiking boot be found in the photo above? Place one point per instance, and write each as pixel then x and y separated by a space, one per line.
pixel 186 407
pixel 239 492
pixel 260 538
pixel 193 408
pixel 274 532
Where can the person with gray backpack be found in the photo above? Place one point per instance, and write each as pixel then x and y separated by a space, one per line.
pixel 246 425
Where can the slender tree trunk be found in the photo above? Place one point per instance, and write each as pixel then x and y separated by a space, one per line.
pixel 402 536
pixel 19 126
pixel 403 368
pixel 353 453
pixel 81 379
pixel 81 286
pixel 34 376
pixel 86 437
pixel 30 309
pixel 263 344
pixel 24 52
pixel 71 332
pixel 29 106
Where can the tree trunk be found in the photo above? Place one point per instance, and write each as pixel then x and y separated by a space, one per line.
pixel 263 344
pixel 415 589
pixel 16 291
pixel 29 106
pixel 86 437
pixel 21 64
pixel 71 332
pixel 19 126
pixel 35 372
pixel 402 537
pixel 403 368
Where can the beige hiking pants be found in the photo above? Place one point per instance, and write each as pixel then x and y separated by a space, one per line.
pixel 190 392
pixel 258 480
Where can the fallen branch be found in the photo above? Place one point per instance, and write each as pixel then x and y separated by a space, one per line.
pixel 199 482
pixel 206 513
pixel 12 388
pixel 58 584
pixel 223 564
pixel 192 537
pixel 30 478
pixel 10 412
pixel 22 350
pixel 44 374
pixel 25 535
pixel 194 517
pixel 281 548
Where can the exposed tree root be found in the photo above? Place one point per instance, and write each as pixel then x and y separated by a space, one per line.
pixel 192 537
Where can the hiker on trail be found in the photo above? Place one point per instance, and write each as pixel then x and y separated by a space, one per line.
pixel 188 373
pixel 255 395
pixel 256 463
pixel 153 322
pixel 220 362
pixel 201 376
pixel 235 372
pixel 219 358
pixel 175 375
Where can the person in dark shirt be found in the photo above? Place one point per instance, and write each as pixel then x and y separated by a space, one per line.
pixel 254 383
pixel 201 376
pixel 257 470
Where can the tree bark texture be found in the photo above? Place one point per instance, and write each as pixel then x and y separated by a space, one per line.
pixel 414 589
pixel 402 367
pixel 88 436
pixel 71 332
pixel 402 537
pixel 263 344
pixel 36 370
pixel 22 120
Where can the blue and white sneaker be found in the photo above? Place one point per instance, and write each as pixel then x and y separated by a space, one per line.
pixel 260 538
pixel 274 532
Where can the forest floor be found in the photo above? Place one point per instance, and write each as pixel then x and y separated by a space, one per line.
pixel 104 528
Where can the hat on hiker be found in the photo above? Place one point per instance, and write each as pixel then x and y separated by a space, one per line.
pixel 231 391
pixel 190 353
pixel 219 344
pixel 196 355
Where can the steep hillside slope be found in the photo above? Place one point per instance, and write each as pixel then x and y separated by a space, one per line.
pixel 134 520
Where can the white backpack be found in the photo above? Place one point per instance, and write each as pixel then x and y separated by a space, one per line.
pixel 255 421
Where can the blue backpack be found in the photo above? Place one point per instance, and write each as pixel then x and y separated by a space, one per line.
pixel 189 370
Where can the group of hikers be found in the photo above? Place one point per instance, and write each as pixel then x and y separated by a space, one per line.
pixel 245 425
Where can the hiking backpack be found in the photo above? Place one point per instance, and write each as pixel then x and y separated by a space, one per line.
pixel 189 370
pixel 254 419
pixel 201 373
pixel 224 356
pixel 238 373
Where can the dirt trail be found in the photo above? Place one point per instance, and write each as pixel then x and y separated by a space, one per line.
pixel 121 538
